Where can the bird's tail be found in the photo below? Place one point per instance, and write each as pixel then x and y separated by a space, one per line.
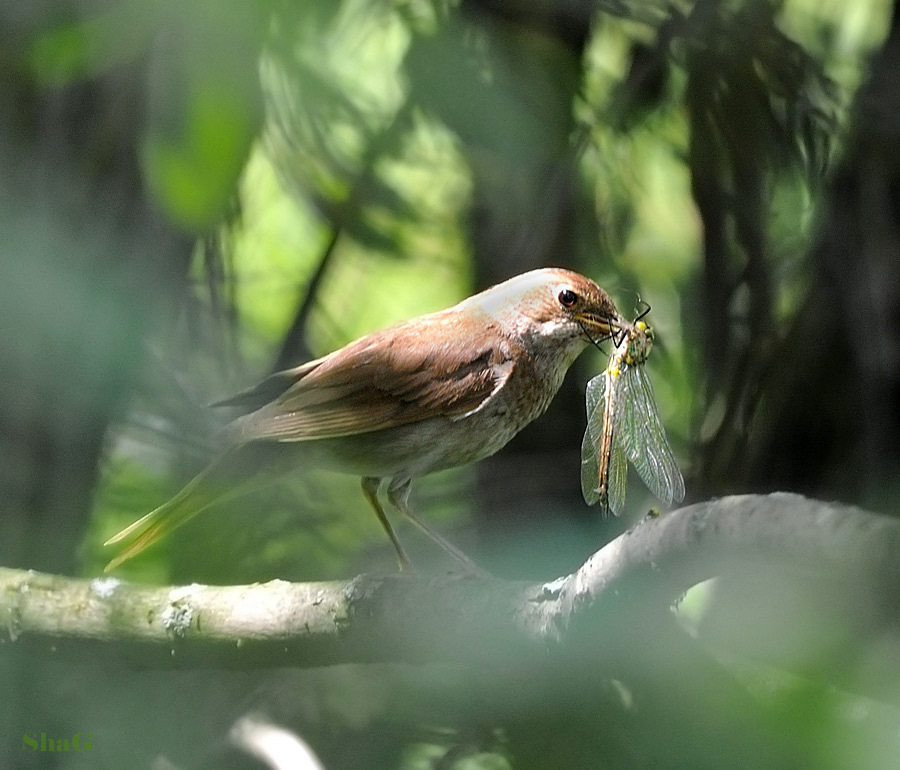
pixel 199 493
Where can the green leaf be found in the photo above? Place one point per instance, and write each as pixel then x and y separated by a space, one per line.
pixel 194 172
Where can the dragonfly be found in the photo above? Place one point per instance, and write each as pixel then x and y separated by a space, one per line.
pixel 624 425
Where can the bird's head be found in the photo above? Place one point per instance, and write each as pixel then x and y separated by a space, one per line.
pixel 552 308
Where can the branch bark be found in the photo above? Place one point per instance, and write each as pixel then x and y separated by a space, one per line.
pixel 461 618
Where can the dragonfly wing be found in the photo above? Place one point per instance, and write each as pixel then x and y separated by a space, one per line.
pixel 590 469
pixel 618 472
pixel 603 478
pixel 595 397
pixel 645 438
pixel 613 467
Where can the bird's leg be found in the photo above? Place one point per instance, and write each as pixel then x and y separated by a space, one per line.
pixel 370 486
pixel 398 494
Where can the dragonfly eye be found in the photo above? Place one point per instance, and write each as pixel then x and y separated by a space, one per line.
pixel 567 297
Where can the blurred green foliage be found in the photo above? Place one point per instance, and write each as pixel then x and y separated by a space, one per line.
pixel 330 160
pixel 354 149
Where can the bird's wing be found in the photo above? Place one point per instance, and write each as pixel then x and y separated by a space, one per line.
pixel 406 374
pixel 269 389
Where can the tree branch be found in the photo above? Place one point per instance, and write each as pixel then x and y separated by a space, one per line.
pixel 453 617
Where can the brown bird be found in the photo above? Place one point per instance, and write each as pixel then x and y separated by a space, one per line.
pixel 432 393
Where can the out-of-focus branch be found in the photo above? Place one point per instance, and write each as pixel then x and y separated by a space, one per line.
pixel 415 618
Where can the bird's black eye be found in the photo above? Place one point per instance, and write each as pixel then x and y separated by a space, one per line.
pixel 567 297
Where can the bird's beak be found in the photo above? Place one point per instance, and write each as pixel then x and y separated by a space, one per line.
pixel 603 326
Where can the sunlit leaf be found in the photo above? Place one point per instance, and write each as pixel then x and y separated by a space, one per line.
pixel 193 174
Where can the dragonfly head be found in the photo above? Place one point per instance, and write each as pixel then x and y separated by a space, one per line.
pixel 634 343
